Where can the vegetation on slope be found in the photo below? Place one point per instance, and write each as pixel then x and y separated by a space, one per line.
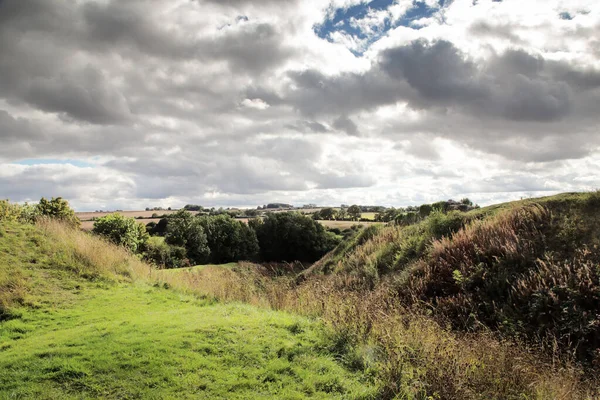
pixel 81 321
pixel 529 269
pixel 394 316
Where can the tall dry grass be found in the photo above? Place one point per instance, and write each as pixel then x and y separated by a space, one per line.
pixel 411 354
pixel 91 256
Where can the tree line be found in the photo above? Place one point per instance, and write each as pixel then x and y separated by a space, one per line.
pixel 183 239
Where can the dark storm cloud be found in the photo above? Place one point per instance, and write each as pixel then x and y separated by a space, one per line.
pixel 247 47
pixel 85 96
pixel 16 129
pixel 436 75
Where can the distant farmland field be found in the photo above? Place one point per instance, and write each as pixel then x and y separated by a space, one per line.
pixel 344 224
pixel 87 224
pixel 88 216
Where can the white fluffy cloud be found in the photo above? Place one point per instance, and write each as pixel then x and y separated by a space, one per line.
pixel 117 104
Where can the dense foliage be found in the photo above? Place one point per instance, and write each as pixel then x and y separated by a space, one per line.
pixel 528 270
pixel 59 208
pixel 186 231
pixel 292 237
pixel 164 255
pixel 29 213
pixel 121 230
pixel 228 239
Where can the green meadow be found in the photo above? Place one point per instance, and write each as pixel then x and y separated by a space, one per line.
pixel 110 338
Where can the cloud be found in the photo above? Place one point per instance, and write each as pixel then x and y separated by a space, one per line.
pixel 258 104
pixel 242 102
pixel 345 124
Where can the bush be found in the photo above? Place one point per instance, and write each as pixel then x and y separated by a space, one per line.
pixel 292 236
pixel 9 211
pixel 123 231
pixel 58 208
pixel 29 213
pixel 163 255
pixel 440 224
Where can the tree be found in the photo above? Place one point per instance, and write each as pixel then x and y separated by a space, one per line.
pixel 425 210
pixel 123 231
pixel 193 207
pixel 342 214
pixel 327 213
pixel 291 236
pixel 186 231
pixel 58 208
pixel 355 212
pixel 228 239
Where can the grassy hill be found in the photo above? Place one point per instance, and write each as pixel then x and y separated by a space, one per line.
pixel 528 269
pixel 497 303
pixel 77 327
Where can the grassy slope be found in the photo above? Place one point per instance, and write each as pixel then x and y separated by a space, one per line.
pixel 526 268
pixel 65 336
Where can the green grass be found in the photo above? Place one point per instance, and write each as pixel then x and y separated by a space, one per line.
pixel 103 337
pixel 143 342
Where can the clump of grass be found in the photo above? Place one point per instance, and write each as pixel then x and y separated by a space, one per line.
pixel 91 256
pixel 13 289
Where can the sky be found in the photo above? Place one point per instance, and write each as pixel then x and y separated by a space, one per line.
pixel 144 103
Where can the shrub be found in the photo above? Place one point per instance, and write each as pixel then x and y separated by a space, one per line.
pixel 58 208
pixel 158 229
pixel 163 255
pixel 440 224
pixel 123 231
pixel 9 211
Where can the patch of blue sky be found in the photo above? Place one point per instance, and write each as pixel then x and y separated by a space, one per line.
pixel 343 20
pixel 54 161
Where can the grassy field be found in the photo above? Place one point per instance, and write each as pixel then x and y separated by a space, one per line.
pixel 344 224
pixel 83 318
pixel 163 344
pixel 88 216
pixel 69 337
